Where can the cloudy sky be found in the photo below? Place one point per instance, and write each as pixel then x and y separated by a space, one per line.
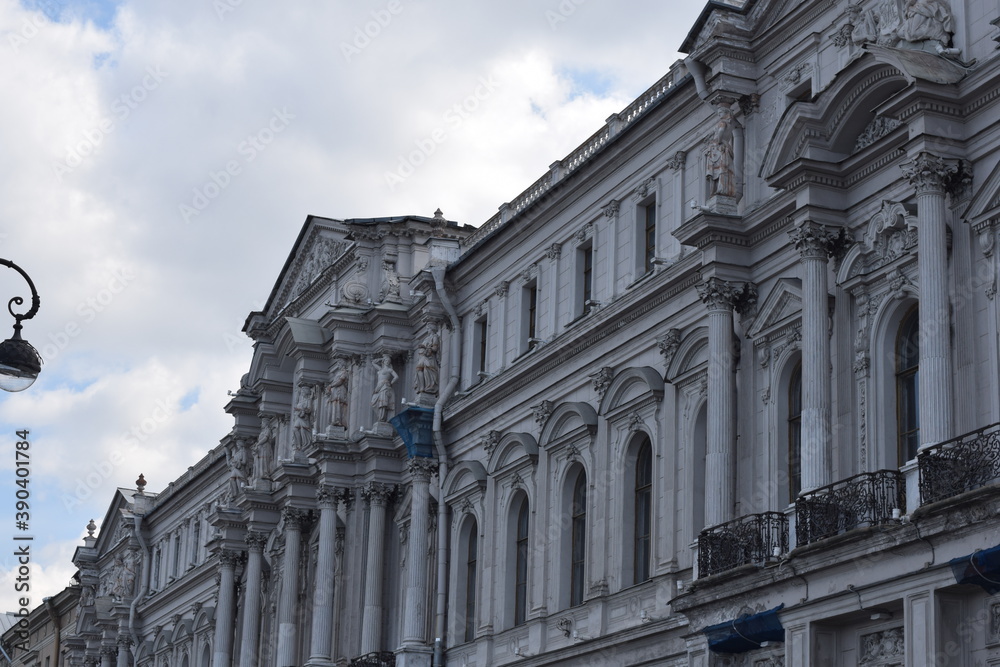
pixel 159 159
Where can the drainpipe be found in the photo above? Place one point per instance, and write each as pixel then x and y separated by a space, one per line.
pixel 137 518
pixel 697 70
pixel 454 366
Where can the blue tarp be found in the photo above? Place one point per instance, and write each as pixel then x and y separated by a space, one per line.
pixel 415 425
pixel 981 568
pixel 746 633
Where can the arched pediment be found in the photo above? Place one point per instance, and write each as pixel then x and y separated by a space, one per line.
pixel 205 618
pixel 181 630
pixel 566 418
pixel 631 384
pixel 827 127
pixel 692 351
pixel 513 446
pixel 464 475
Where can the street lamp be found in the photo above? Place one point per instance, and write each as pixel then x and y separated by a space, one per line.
pixel 20 363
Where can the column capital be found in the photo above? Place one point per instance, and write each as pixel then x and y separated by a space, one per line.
pixel 327 496
pixel 929 173
pixel 816 241
pixel 256 540
pixel 377 493
pixel 294 517
pixel 124 640
pixel 228 558
pixel 723 295
pixel 421 468
pixel 109 650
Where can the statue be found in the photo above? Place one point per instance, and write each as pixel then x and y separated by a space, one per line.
pixel 927 21
pixel 263 459
pixel 123 576
pixel 427 375
pixel 390 282
pixel 384 398
pixel 719 155
pixel 236 459
pixel 302 421
pixel 336 394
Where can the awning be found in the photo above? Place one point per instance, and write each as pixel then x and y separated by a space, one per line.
pixel 981 567
pixel 746 633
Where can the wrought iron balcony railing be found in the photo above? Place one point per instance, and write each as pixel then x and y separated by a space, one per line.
pixel 377 659
pixel 867 499
pixel 962 464
pixel 750 539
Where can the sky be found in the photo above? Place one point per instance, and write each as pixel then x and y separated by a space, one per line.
pixel 160 158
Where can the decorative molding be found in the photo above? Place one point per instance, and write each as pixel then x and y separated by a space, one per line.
pixel 542 411
pixel 502 289
pixel 490 442
pixel 612 208
pixel 554 251
pixel 884 648
pixel 875 130
pixel 602 380
pixel 668 344
pixel 677 161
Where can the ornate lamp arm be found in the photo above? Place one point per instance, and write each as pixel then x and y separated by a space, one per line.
pixel 35 301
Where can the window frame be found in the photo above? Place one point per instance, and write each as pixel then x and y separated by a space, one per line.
pixel 907 386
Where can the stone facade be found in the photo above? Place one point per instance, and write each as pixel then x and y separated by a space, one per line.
pixel 679 385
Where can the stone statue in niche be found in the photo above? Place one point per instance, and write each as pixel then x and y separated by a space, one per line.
pixel 302 421
pixel 720 159
pixel 336 394
pixel 122 577
pixel 927 21
pixel 390 282
pixel 384 398
pixel 236 458
pixel 263 459
pixel 427 376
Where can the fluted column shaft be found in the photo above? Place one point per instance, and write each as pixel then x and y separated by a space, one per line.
pixel 124 642
pixel 415 617
pixel 814 243
pixel 377 496
pixel 107 657
pixel 288 604
pixel 224 614
pixel 928 174
pixel 251 600
pixel 720 475
pixel 322 621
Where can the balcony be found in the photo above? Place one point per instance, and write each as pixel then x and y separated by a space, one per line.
pixel 965 463
pixel 867 499
pixel 750 539
pixel 377 659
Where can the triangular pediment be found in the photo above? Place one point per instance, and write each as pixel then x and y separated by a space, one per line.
pixel 321 243
pixel 985 204
pixel 783 304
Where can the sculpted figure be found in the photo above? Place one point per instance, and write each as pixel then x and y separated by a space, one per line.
pixel 427 371
pixel 390 282
pixel 263 459
pixel 927 20
pixel 383 399
pixel 719 155
pixel 302 420
pixel 236 458
pixel 336 394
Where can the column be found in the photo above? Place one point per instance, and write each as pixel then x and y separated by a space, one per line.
pixel 288 604
pixel 377 496
pixel 929 174
pixel 251 600
pixel 814 242
pixel 338 594
pixel 554 253
pixel 611 211
pixel 501 291
pixel 108 656
pixel 124 642
pixel 415 615
pixel 224 613
pixel 322 620
pixel 720 472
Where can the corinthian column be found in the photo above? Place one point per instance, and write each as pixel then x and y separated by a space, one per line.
pixel 720 476
pixel 224 614
pixel 287 607
pixel 124 642
pixel 929 174
pixel 377 496
pixel 815 243
pixel 415 616
pixel 322 621
pixel 251 601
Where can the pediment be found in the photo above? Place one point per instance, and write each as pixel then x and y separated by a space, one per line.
pixel 985 204
pixel 783 303
pixel 319 245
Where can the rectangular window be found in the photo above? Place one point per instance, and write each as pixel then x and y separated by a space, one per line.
pixel 480 349
pixel 649 235
pixel 177 556
pixel 470 585
pixel 584 279
pixel 529 316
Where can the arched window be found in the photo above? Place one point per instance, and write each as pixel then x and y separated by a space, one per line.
pixel 907 396
pixel 795 433
pixel 643 512
pixel 578 539
pixel 521 565
pixel 471 558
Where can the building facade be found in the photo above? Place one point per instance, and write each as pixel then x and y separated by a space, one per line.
pixel 721 388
